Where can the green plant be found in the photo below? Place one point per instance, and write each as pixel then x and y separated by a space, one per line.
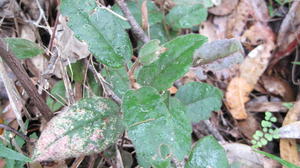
pixel 158 124
pixel 268 133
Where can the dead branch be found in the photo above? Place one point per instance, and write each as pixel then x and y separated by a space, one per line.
pixel 136 28
pixel 16 66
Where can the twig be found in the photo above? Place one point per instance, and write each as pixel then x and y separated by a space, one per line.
pixel 213 130
pixel 136 28
pixel 13 95
pixel 10 129
pixel 16 66
pixel 105 85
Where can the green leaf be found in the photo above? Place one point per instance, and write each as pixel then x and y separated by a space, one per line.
pixel 107 40
pixel 154 15
pixel 89 126
pixel 201 99
pixel 186 16
pixel 278 159
pixel 118 80
pixel 11 154
pixel 207 153
pixel 157 31
pixel 157 131
pixel 95 87
pixel 149 52
pixel 23 48
pixel 76 71
pixel 172 64
pixel 206 3
pixel 59 92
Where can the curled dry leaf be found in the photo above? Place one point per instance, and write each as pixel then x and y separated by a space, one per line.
pixel 87 127
pixel 288 147
pixel 289 33
pixel 71 48
pixel 225 8
pixel 250 71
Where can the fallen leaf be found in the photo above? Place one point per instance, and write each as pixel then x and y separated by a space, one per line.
pixel 257 34
pixel 243 156
pixel 278 86
pixel 236 97
pixel 248 126
pixel 289 33
pixel 290 131
pixel 266 106
pixel 288 147
pixel 172 90
pixel 70 47
pixel 247 10
pixel 225 8
pixel 250 71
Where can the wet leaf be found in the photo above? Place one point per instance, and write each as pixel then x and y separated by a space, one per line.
pixel 8 153
pixel 23 48
pixel 59 93
pixel 157 131
pixel 201 99
pixel 186 16
pixel 118 80
pixel 150 52
pixel 87 127
pixel 172 64
pixel 107 40
pixel 207 153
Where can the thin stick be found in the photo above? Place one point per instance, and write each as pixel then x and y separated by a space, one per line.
pixel 136 28
pixel 105 85
pixel 16 66
pixel 10 129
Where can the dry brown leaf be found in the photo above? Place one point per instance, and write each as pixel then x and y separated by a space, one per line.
pixel 244 154
pixel 288 147
pixel 225 8
pixel 266 106
pixel 278 86
pixel 289 33
pixel 209 30
pixel 257 34
pixel 1 122
pixel 247 10
pixel 248 126
pixel 236 97
pixel 250 71
pixel 214 29
pixel 70 47
pixel 172 90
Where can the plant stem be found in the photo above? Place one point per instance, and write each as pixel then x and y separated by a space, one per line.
pixel 136 28
pixel 16 66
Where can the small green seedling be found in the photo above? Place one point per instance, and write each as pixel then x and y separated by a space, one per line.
pixel 268 133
